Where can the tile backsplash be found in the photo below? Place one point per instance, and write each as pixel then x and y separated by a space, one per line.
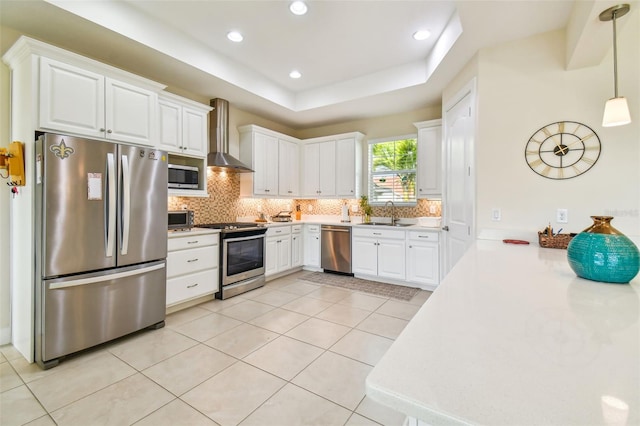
pixel 225 205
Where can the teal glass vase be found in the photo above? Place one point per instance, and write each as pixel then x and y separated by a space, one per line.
pixel 602 253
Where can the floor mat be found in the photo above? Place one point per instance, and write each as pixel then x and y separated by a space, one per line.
pixel 366 286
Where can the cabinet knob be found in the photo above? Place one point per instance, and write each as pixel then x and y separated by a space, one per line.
pixel 109 131
pixel 102 129
pixel 410 246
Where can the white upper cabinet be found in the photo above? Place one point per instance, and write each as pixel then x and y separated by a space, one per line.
pixel 82 101
pixel 259 150
pixel 332 166
pixel 288 168
pixel 429 159
pixel 183 126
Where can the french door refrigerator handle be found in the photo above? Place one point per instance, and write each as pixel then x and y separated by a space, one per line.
pixel 126 204
pixel 107 277
pixel 110 224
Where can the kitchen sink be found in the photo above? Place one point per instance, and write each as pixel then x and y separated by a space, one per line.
pixel 397 225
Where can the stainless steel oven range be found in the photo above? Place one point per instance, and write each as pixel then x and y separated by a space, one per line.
pixel 242 257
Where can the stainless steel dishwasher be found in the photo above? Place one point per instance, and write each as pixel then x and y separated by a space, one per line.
pixel 335 243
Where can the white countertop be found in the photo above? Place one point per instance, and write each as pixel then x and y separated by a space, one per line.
pixel 513 337
pixel 356 221
pixel 192 232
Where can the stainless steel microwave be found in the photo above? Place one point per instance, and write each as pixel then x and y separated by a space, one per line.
pixel 183 177
pixel 180 219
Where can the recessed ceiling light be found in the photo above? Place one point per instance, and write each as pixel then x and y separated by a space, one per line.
pixel 298 8
pixel 421 35
pixel 235 36
pixel 295 74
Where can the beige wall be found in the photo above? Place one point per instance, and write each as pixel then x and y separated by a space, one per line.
pixel 523 86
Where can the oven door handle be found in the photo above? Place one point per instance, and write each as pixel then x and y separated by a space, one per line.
pixel 234 239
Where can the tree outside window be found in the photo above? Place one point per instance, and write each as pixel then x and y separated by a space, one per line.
pixel 392 170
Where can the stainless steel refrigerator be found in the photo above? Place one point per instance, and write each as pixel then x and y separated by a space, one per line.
pixel 101 243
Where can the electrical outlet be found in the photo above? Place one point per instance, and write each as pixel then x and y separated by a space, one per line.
pixel 432 209
pixel 562 216
pixel 496 215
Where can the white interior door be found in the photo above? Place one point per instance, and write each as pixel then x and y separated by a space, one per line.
pixel 458 170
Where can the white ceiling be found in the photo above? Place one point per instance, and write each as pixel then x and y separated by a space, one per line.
pixel 357 57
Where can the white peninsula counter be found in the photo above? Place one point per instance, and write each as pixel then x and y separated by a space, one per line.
pixel 513 337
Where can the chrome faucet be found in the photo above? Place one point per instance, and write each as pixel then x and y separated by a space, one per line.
pixel 393 211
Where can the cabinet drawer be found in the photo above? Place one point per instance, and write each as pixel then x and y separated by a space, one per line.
pixel 278 230
pixel 296 228
pixel 188 261
pixel 378 232
pixel 423 235
pixel 313 229
pixel 192 241
pixel 187 287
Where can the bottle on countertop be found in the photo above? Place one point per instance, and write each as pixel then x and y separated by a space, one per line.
pixel 345 213
pixel 298 212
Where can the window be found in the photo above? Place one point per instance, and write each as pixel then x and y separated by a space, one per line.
pixel 392 170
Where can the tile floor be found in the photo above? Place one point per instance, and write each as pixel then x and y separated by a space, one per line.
pixel 290 353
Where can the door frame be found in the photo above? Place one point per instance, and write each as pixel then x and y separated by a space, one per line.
pixel 468 89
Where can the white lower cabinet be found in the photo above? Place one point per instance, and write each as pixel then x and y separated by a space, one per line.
pixel 297 247
pixel 378 252
pixel 192 266
pixel 312 246
pixel 278 252
pixel 423 259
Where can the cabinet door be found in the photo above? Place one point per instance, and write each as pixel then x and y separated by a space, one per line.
pixel 346 168
pixel 170 125
pixel 364 256
pixel 265 165
pixel 71 99
pixel 194 132
pixel 312 248
pixel 288 162
pixel 422 262
pixel 327 168
pixel 130 113
pixel 310 169
pixel 429 162
pixel 284 253
pixel 296 250
pixel 271 255
pixel 391 259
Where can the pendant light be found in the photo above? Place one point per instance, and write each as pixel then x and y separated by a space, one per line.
pixel 616 110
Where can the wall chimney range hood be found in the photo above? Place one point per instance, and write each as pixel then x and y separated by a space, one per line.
pixel 218 158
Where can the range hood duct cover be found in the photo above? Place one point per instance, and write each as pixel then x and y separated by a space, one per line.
pixel 218 157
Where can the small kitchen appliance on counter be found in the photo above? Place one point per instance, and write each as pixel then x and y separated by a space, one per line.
pixel 180 220
pixel 283 216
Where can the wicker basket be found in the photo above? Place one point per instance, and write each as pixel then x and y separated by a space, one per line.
pixel 559 241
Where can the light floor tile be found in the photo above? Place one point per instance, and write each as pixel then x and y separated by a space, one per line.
pixel 337 378
pixel 68 385
pixel 246 310
pixel 284 357
pixel 31 371
pixel 363 347
pixel 396 309
pixel 383 325
pixel 257 292
pixel 279 320
pixel 188 369
pixel 216 305
pixel 230 396
pixel 343 314
pixel 380 413
pixel 363 301
pixel 124 402
pixel 301 288
pixel 10 353
pixel 358 420
pixel 307 305
pixel 9 379
pixel 175 413
pixel 242 340
pixel 318 332
pixel 276 298
pixel 330 294
pixel 295 406
pixel 145 349
pixel 207 327
pixel 18 406
pixel 421 297
pixel 185 315
pixel 42 421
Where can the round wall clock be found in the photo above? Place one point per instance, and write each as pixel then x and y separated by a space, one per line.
pixel 562 150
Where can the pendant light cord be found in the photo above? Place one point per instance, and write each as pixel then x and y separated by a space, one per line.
pixel 615 55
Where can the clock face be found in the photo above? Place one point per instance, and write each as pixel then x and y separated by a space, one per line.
pixel 562 150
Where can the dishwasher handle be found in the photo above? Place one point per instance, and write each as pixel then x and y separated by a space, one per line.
pixel 335 228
